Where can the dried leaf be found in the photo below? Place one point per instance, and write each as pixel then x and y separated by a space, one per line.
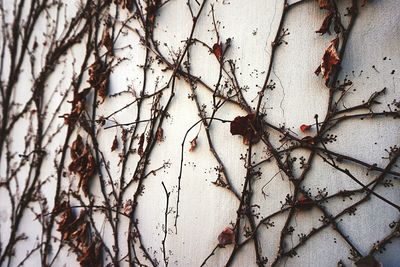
pixel 83 163
pixel 305 127
pixel 329 61
pixel 160 134
pixel 77 147
pixel 99 74
pixel 152 10
pixel 88 171
pixel 193 144
pixel 91 256
pixel 248 126
pixel 78 106
pixel 127 209
pixel 115 144
pixel 81 234
pixel 128 4
pixel 67 217
pixel 226 237
pixel 324 4
pixel 217 50
pixel 106 41
pixel 68 227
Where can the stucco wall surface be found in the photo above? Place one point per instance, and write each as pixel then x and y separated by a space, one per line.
pixel 184 233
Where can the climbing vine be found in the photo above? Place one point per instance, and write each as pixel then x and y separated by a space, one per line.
pixel 81 146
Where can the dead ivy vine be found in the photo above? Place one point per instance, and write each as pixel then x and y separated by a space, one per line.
pixel 87 208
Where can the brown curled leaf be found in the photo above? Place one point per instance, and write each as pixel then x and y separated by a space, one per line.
pixel 247 126
pixel 81 234
pixel 329 61
pixel 106 41
pixel 226 237
pixel 68 227
pixel 128 207
pixel 92 254
pixel 115 144
pixel 193 144
pixel 128 4
pixel 78 106
pixel 160 135
pixel 152 10
pixel 66 219
pixel 324 4
pixel 83 163
pixel 77 148
pixel 217 50
pixel 99 73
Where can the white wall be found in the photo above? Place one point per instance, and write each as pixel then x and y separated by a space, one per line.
pixel 204 209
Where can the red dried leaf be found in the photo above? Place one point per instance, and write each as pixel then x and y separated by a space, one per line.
pixel 81 234
pixel 248 126
pixel 127 209
pixel 106 41
pixel 70 225
pixel 77 148
pixel 193 144
pixel 99 74
pixel 91 255
pixel 78 105
pixel 152 10
pixel 324 4
pixel 160 134
pixel 77 232
pixel 217 50
pixel 114 144
pixel 329 61
pixel 88 171
pixel 305 127
pixel 304 202
pixel 128 4
pixel 83 163
pixel 67 218
pixel 226 237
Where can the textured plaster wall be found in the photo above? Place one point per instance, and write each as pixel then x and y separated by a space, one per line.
pixel 205 210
